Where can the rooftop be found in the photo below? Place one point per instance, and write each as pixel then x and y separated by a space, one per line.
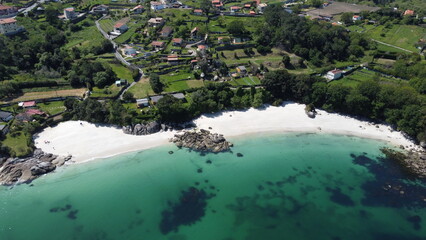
pixel 7 20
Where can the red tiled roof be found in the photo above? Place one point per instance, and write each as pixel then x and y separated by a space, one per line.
pixel 198 10
pixel 409 12
pixel 157 44
pixel 216 2
pixel 252 12
pixel 201 46
pixel 7 20
pixel 336 71
pixel 70 9
pixel 247 5
pixel 29 104
pixel 119 24
pixel 34 112
pixel 2 7
pixel 235 7
pixel 177 40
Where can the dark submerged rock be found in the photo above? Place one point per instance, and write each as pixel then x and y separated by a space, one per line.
pixel 240 155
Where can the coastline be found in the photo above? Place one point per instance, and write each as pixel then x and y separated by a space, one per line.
pixel 88 141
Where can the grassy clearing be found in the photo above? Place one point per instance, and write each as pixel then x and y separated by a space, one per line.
pixel 52 108
pixel 18 143
pixel 85 38
pixel 177 81
pixel 358 76
pixel 142 89
pixel 404 36
pixel 50 94
pixel 110 91
pixel 107 25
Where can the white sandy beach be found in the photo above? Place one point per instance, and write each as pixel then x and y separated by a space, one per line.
pixel 87 141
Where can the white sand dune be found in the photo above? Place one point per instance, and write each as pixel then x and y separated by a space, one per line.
pixel 87 141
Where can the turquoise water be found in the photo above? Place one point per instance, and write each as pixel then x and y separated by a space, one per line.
pixel 293 186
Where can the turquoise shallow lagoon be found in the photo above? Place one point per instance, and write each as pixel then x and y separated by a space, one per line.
pixel 291 186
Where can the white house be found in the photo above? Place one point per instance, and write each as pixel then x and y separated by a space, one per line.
pixel 261 7
pixel 356 18
pixel 69 13
pixel 334 74
pixel 155 22
pixel 120 27
pixel 144 102
pixel 155 6
pixel 9 26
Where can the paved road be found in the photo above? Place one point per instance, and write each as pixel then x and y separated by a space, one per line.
pixel 118 55
pixel 390 45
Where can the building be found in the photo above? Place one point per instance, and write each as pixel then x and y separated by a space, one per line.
pixel 156 6
pixel 6 116
pixel 224 40
pixel 9 26
pixel 69 13
pixel 120 27
pixel 33 111
pixel 409 12
pixel 166 32
pixel 100 9
pixel 8 11
pixel 158 46
pixel 121 82
pixel 235 9
pixel 27 104
pixel 202 48
pixel 140 103
pixel 198 12
pixel 155 99
pixel 155 22
pixel 180 96
pixel 252 12
pixel 261 7
pixel 242 70
pixel 356 18
pixel 129 51
pixel 177 42
pixel 173 59
pixel 217 3
pixel 334 74
pixel 138 9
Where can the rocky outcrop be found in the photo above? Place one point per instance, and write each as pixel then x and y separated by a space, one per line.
pixel 24 170
pixel 202 141
pixel 413 162
pixel 143 129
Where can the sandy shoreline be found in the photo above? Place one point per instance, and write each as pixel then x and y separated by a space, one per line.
pixel 88 141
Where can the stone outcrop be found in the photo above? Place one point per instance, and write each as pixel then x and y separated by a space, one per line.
pixel 24 170
pixel 144 129
pixel 414 162
pixel 202 141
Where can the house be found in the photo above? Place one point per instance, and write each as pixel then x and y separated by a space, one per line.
pixel 166 32
pixel 217 3
pixel 155 22
pixel 242 70
pixel 33 111
pixel 69 13
pixel 155 99
pixel 4 129
pixel 247 5
pixel 27 104
pixel 334 74
pixel 356 18
pixel 129 51
pixel 261 7
pixel 408 12
pixel 138 9
pixel 156 6
pixel 8 11
pixel 201 48
pixel 177 42
pixel 100 9
pixel 173 59
pixel 9 26
pixel 6 116
pixel 180 96
pixel 144 102
pixel 23 117
pixel 120 27
pixel 198 12
pixel 252 13
pixel 158 46
pixel 121 82
pixel 235 9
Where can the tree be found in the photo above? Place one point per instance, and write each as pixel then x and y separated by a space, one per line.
pixel 156 85
pixel 128 96
pixel 346 18
pixel 101 79
pixel 286 60
pixel 171 109
pixel 236 28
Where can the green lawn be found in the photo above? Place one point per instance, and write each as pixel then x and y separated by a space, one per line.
pixel 18 144
pixel 176 81
pixel 141 89
pixel 85 38
pixel 110 91
pixel 52 108
pixel 404 36
pixel 358 76
pixel 107 24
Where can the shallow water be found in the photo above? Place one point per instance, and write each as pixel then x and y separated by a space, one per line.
pixel 292 186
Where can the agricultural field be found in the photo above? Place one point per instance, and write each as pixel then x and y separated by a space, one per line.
pixel 52 108
pixel 361 75
pixel 85 38
pixel 404 36
pixel 18 143
pixel 78 92
pixel 179 81
pixel 245 81
pixel 141 89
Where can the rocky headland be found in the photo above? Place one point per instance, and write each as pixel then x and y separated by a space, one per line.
pixel 202 140
pixel 413 162
pixel 24 170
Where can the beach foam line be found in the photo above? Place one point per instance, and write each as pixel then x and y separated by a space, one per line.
pixel 87 141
